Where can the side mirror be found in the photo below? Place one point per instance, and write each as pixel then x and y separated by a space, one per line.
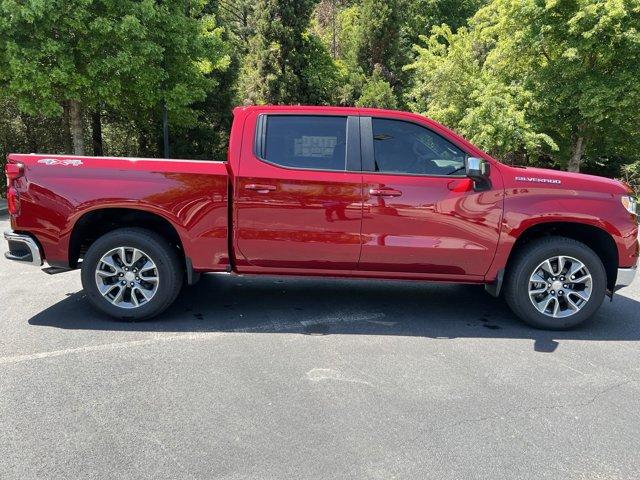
pixel 478 169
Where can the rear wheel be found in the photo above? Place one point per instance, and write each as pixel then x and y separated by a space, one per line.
pixel 132 274
pixel 555 283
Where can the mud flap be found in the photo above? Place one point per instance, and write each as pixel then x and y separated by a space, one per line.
pixel 494 288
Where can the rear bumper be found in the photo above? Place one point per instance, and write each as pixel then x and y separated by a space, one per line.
pixel 625 277
pixel 23 249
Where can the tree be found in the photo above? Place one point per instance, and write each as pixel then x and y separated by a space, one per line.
pixel 420 16
pixel 580 59
pixel 528 75
pixel 454 85
pixel 273 70
pixel 124 55
pixel 238 18
pixel 326 18
pixel 377 93
pixel 363 38
pixel 378 35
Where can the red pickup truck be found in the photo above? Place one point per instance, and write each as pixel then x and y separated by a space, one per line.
pixel 327 191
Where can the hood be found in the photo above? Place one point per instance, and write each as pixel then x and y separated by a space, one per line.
pixel 543 177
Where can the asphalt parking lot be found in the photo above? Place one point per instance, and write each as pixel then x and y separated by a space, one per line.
pixel 273 378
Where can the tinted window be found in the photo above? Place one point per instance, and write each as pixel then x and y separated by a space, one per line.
pixel 403 147
pixel 314 142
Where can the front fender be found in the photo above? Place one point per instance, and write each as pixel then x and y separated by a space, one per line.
pixel 526 208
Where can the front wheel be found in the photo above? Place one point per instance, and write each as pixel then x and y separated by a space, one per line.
pixel 555 283
pixel 131 274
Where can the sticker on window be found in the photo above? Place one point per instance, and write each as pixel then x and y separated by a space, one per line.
pixel 308 146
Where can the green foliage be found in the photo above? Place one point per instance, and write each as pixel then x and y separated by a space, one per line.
pixel 237 16
pixel 578 59
pixel 529 74
pixel 549 82
pixel 453 85
pixel 320 75
pixel 26 133
pixel 420 16
pixel 378 34
pixel 631 175
pixel 365 39
pixel 377 93
pixel 278 54
pixel 125 55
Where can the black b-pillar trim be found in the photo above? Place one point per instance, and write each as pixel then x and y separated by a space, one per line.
pixel 366 142
pixel 354 159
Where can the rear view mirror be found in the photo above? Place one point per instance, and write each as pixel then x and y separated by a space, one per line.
pixel 477 169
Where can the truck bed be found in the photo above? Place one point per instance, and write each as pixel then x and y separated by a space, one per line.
pixel 57 192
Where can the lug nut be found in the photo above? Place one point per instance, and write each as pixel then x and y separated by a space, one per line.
pixel 132 284
pixel 560 292
pixel 137 279
pixel 562 279
pixel 121 274
pixel 123 283
pixel 126 269
pixel 553 292
pixel 555 278
pixel 566 286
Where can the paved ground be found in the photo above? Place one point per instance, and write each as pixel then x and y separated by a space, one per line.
pixel 312 379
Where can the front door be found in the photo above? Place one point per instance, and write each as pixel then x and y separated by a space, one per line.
pixel 298 195
pixel 421 214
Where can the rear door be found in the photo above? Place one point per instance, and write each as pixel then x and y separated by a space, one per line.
pixel 298 193
pixel 422 216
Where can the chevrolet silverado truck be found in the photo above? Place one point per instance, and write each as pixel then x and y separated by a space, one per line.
pixel 340 192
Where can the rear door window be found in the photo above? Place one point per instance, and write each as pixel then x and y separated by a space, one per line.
pixel 306 141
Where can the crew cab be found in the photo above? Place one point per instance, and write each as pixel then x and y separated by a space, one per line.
pixel 327 191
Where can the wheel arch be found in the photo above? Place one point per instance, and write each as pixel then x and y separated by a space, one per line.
pixel 95 223
pixel 596 238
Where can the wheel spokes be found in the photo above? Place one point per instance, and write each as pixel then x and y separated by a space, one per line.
pixel 556 307
pixel 111 264
pixel 561 263
pixel 552 290
pixel 135 256
pixel 127 277
pixel 580 294
pixel 544 303
pixel 147 267
pixel 118 297
pixel 538 291
pixel 106 289
pixel 142 292
pixel 546 266
pixel 572 304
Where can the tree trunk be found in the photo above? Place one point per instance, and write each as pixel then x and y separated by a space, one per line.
pixel 66 131
pixel 96 133
pixel 31 138
pixel 577 150
pixel 75 124
pixel 143 144
pixel 334 30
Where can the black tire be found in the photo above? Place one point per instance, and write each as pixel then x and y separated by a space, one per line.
pixel 165 257
pixel 523 266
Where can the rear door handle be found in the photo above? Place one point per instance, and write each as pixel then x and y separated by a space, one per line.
pixel 385 192
pixel 260 188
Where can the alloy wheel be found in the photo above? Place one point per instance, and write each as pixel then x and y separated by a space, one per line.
pixel 127 277
pixel 560 286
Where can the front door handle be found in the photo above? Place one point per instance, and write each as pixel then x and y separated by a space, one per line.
pixel 260 188
pixel 384 192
